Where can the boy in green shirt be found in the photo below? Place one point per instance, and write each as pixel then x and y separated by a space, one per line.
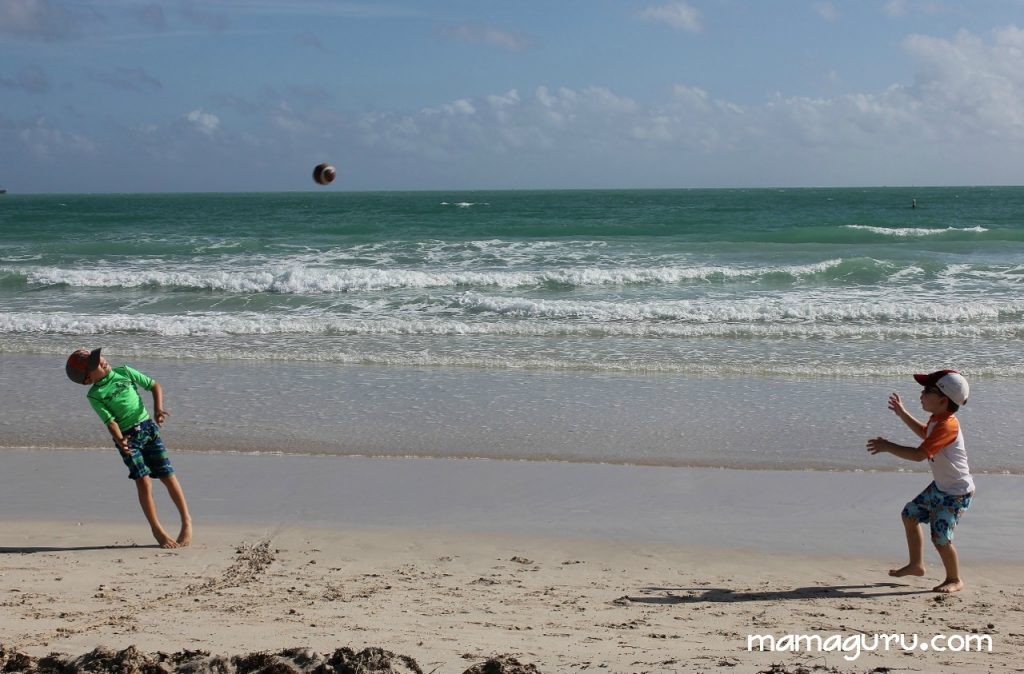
pixel 115 399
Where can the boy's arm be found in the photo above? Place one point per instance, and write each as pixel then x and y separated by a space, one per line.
pixel 159 413
pixel 119 440
pixel 880 445
pixel 896 405
pixel 108 418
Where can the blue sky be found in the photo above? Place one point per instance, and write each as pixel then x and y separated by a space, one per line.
pixel 242 95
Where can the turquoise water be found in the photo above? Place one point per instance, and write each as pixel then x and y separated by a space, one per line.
pixel 806 282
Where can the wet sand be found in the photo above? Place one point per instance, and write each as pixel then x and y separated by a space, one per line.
pixel 772 423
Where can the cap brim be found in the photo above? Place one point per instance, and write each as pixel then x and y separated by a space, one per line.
pixel 924 379
pixel 94 359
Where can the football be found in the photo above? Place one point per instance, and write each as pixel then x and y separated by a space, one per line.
pixel 323 174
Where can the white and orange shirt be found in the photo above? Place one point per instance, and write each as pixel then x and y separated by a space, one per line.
pixel 947 455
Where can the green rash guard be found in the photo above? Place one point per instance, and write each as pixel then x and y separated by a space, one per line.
pixel 115 398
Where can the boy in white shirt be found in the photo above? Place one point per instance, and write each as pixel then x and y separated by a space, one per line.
pixel 943 501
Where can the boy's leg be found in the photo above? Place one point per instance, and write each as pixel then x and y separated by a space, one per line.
pixel 951 561
pixel 942 536
pixel 915 548
pixel 178 496
pixel 158 464
pixel 144 485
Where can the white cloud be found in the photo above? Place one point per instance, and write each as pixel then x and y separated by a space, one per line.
pixel 968 87
pixel 960 120
pixel 459 108
pixel 509 98
pixel 968 93
pixel 676 14
pixel 205 122
pixel 694 96
pixel 45 142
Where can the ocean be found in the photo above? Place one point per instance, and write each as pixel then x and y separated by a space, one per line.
pixel 675 320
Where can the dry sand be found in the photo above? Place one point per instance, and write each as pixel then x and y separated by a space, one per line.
pixel 569 568
pixel 453 600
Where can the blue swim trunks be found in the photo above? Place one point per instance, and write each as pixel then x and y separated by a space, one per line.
pixel 147 455
pixel 941 510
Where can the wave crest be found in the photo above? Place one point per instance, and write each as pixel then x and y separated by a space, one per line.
pixel 914 232
pixel 306 280
pixel 669 320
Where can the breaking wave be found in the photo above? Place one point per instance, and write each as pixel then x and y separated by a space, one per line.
pixel 910 232
pixel 568 319
pixel 306 280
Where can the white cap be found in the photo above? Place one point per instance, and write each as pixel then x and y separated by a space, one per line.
pixel 950 382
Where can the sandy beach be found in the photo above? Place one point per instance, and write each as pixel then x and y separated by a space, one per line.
pixel 77 569
pixel 450 601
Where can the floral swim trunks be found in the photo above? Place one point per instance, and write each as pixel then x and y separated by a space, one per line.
pixel 941 510
pixel 147 455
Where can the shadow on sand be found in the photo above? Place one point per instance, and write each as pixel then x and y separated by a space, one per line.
pixel 697 595
pixel 75 548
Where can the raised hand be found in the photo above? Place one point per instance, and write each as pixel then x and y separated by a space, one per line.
pixel 896 404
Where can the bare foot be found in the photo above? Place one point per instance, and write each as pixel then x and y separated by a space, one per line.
pixel 908 570
pixel 164 540
pixel 949 585
pixel 185 537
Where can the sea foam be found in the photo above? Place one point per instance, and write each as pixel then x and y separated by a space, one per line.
pixel 568 319
pixel 313 280
pixel 905 232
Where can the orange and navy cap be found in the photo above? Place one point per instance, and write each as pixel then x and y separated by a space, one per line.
pixel 81 363
pixel 950 382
